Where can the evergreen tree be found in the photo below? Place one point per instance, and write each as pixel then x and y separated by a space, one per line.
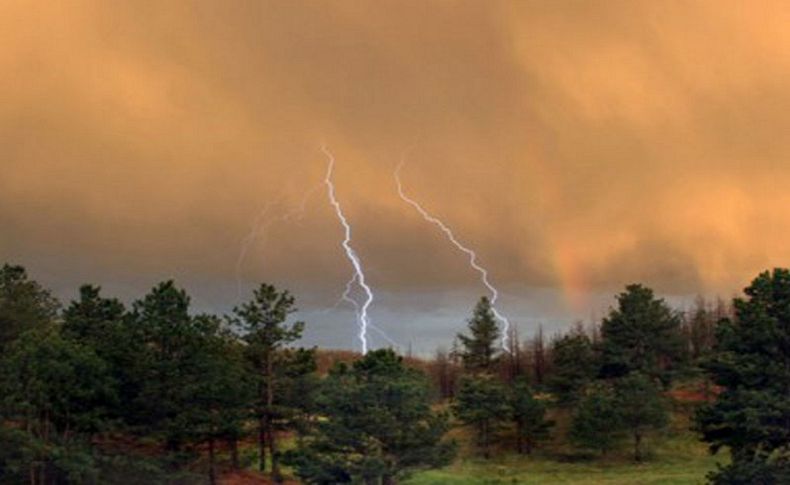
pixel 642 334
pixel 164 336
pixel 481 402
pixel 771 469
pixel 597 423
pixel 377 425
pixel 262 322
pixel 297 385
pixel 479 353
pixel 93 319
pixel 186 379
pixel 98 323
pixel 218 389
pixel 54 392
pixel 24 304
pixel 529 416
pixel 574 365
pixel 641 408
pixel 751 362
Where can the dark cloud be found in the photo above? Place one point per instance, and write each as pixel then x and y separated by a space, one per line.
pixel 577 145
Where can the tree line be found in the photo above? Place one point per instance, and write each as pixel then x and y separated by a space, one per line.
pixel 96 391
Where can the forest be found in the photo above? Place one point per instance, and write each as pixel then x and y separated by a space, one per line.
pixel 98 391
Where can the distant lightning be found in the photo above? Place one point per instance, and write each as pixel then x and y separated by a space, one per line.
pixel 260 225
pixel 246 242
pixel 359 275
pixel 472 255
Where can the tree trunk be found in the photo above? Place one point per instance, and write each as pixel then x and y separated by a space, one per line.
pixel 45 462
pixel 276 476
pixel 233 444
pixel 262 442
pixel 484 440
pixel 275 457
pixel 32 472
pixel 519 438
pixel 638 446
pixel 212 472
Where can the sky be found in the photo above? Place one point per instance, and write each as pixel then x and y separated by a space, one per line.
pixel 577 146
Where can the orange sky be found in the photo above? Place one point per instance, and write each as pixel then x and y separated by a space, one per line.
pixel 578 145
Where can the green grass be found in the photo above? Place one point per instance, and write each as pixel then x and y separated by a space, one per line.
pixel 675 457
pixel 526 471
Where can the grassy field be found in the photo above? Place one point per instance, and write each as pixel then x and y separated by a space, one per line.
pixel 674 457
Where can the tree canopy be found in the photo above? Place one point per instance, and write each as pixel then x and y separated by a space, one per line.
pixel 24 304
pixel 479 352
pixel 378 425
pixel 751 362
pixel 641 334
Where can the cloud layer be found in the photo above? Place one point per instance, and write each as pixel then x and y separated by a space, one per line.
pixel 577 145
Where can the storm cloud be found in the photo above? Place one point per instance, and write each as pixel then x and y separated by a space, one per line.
pixel 578 146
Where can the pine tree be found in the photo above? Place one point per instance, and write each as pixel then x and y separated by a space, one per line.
pixel 529 416
pixel 218 390
pixel 263 323
pixel 54 391
pixel 597 423
pixel 573 367
pixel 641 408
pixel 481 402
pixel 479 353
pixel 377 425
pixel 641 334
pixel 24 304
pixel 93 319
pixel 163 334
pixel 751 362
pixel 297 382
pixel 98 323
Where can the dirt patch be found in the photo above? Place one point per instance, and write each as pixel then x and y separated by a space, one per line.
pixel 695 395
pixel 248 477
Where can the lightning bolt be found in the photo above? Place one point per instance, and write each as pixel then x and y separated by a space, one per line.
pixel 464 249
pixel 359 275
pixel 260 225
pixel 346 297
